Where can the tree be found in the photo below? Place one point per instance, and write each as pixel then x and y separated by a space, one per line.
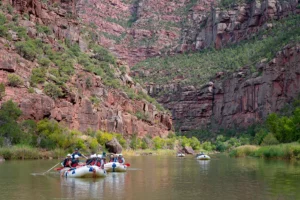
pixel 9 128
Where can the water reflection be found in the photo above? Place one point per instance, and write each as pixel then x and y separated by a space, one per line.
pixel 204 165
pixel 76 188
pixel 221 178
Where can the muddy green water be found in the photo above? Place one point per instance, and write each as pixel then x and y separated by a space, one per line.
pixel 159 177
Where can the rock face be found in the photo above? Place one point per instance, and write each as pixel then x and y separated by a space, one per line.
pixel 240 99
pixel 113 146
pixel 188 150
pixel 220 27
pixel 113 111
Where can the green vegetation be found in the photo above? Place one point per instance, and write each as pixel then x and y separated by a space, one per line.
pixel 28 136
pixel 197 68
pixel 279 136
pixel 281 151
pixel 9 128
pixel 53 90
pixel 38 76
pixel 2 90
pixel 29 49
pixel 230 3
pixel 14 80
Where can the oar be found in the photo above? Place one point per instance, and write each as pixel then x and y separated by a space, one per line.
pixel 45 171
pixel 84 156
pixel 127 164
pixel 51 168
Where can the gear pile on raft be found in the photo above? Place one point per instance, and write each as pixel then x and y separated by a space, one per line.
pixel 94 166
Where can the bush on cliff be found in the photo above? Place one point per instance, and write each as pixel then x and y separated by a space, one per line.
pixel 38 76
pixel 14 80
pixel 29 49
pixel 2 90
pixel 53 90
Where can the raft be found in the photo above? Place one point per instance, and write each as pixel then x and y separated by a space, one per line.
pixel 202 157
pixel 83 172
pixel 180 155
pixel 115 167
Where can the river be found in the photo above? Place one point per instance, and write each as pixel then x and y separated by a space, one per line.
pixel 161 178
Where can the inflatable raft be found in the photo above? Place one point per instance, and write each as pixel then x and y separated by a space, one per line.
pixel 115 167
pixel 83 172
pixel 180 155
pixel 202 157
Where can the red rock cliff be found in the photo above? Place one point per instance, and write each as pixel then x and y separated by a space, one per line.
pixel 115 111
pixel 240 99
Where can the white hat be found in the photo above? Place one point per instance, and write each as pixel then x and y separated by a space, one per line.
pixel 99 156
pixel 76 156
pixel 69 155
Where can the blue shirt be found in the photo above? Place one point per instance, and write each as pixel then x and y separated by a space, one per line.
pixel 73 155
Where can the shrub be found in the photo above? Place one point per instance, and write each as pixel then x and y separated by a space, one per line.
pixel 208 146
pixel 38 76
pixel 29 49
pixel 259 136
pixel 44 62
pixel 95 100
pixel 2 19
pixel 9 113
pixel 103 137
pixel 242 151
pixel 2 90
pixel 269 140
pixel 142 116
pixel 43 29
pixel 14 80
pixel 53 90
pixel 158 142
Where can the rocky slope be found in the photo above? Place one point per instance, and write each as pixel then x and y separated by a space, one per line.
pixel 228 25
pixel 236 99
pixel 87 102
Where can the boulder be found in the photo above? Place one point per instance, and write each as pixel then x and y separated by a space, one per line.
pixel 188 150
pixel 113 146
pixel 1 159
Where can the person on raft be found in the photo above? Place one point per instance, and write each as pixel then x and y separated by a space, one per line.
pixel 100 161
pixel 68 161
pixel 76 152
pixel 111 158
pixel 91 160
pixel 76 162
pixel 121 159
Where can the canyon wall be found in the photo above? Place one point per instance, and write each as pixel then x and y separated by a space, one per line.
pixel 113 112
pixel 237 99
pixel 223 26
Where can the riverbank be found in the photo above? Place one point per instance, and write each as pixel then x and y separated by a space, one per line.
pixel 288 151
pixel 23 152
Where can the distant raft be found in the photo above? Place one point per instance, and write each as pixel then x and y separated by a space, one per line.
pixel 83 172
pixel 202 157
pixel 115 167
pixel 180 155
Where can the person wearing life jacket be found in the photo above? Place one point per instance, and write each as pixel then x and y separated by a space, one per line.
pixel 76 152
pixel 111 158
pixel 75 161
pixel 121 159
pixel 67 162
pixel 100 162
pixel 90 160
pixel 115 158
